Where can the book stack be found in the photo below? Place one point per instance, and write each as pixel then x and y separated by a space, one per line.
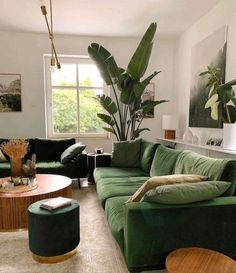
pixel 56 203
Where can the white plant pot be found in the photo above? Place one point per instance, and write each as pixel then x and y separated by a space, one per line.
pixel 229 136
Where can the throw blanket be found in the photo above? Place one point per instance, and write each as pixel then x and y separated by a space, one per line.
pixel 189 162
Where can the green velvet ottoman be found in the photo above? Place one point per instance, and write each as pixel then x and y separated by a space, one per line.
pixel 53 235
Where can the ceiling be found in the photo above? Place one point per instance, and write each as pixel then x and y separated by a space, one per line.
pixel 104 17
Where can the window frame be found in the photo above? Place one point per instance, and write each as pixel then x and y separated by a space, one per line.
pixel 48 87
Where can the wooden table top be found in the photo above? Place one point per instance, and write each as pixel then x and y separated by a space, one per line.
pixel 199 260
pixel 47 183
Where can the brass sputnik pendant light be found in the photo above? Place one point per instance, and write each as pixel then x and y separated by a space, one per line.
pixel 54 59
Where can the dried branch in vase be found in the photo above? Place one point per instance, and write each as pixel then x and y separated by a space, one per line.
pixel 15 148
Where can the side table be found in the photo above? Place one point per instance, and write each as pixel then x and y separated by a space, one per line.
pixel 199 260
pixel 92 164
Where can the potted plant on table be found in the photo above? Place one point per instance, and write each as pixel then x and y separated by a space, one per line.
pixel 127 110
pixel 221 99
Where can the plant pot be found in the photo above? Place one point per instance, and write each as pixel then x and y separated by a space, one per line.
pixel 229 136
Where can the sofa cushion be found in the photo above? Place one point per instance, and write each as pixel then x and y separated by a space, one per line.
pixel 104 172
pixel 116 186
pixel 126 153
pixel 186 193
pixel 147 151
pixel 72 152
pixel 191 162
pixel 56 167
pixel 164 161
pixel 115 213
pixel 51 150
pixel 156 181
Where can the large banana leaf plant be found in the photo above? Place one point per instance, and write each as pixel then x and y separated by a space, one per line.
pixel 221 96
pixel 126 111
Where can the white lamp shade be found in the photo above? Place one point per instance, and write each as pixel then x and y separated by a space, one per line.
pixel 170 122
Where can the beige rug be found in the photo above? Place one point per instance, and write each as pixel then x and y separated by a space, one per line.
pixel 97 251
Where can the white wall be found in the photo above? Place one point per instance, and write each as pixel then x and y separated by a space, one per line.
pixel 23 53
pixel 223 14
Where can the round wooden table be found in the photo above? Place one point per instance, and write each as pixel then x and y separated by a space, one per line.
pixel 199 260
pixel 13 206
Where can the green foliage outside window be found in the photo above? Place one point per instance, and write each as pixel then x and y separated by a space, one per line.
pixel 65 116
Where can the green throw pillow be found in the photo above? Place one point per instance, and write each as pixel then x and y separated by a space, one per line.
pixel 147 152
pixel 72 152
pixel 126 153
pixel 164 161
pixel 186 193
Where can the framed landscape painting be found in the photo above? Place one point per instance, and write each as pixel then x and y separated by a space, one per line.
pixel 10 92
pixel 209 52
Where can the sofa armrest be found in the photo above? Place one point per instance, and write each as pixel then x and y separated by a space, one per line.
pixel 152 231
pixel 82 164
pixel 103 160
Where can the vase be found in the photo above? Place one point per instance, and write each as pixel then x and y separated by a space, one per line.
pixel 229 136
pixel 16 167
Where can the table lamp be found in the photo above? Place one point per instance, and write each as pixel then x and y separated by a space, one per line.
pixel 170 123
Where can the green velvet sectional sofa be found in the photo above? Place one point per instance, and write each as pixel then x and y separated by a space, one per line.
pixel 48 156
pixel 147 232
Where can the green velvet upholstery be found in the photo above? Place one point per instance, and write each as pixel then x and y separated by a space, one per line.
pixel 186 193
pixel 192 163
pixel 164 161
pixel 115 212
pixel 53 233
pixel 105 172
pixel 152 231
pixel 48 154
pixel 126 153
pixel 51 150
pixel 147 232
pixel 56 167
pixel 147 151
pixel 229 174
pixel 116 186
pixel 5 169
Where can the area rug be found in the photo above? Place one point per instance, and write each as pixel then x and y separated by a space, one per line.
pixel 97 251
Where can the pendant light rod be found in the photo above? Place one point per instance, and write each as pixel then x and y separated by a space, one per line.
pixel 51 35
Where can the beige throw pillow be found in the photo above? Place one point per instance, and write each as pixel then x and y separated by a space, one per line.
pixel 155 181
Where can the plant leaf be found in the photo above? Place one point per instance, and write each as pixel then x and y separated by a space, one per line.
pixel 137 132
pixel 108 104
pixel 139 61
pixel 233 101
pixel 214 110
pixel 212 100
pixel 99 54
pixel 140 87
pixel 107 119
pixel 108 129
pixel 148 105
pixel 226 94
pixel 228 84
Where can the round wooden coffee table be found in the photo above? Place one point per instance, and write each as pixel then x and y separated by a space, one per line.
pixel 14 205
pixel 199 260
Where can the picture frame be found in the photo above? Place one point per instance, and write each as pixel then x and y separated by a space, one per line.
pixel 10 92
pixel 210 51
pixel 149 94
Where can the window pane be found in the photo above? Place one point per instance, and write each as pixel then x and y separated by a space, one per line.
pixel 66 76
pixel 89 107
pixel 64 110
pixel 89 75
